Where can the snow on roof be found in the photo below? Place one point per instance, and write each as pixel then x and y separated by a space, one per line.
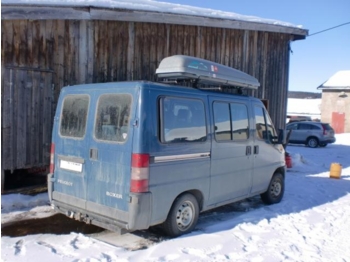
pixel 152 6
pixel 340 80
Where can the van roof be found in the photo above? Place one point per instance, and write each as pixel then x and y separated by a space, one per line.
pixel 179 67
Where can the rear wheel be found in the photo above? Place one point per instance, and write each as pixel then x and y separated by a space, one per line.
pixel 275 191
pixel 182 217
pixel 312 142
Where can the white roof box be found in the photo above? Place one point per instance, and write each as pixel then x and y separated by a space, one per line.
pixel 181 67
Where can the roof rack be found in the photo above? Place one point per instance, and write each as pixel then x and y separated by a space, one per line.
pixel 200 71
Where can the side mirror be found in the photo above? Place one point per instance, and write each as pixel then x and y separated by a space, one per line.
pixel 281 138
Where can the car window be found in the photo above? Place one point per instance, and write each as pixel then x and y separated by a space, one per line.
pixel 315 127
pixel 182 120
pixel 327 127
pixel 264 128
pixel 231 121
pixel 112 117
pixel 73 116
pixel 222 121
pixel 303 126
pixel 292 127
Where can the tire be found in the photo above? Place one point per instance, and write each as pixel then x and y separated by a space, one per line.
pixel 275 191
pixel 182 217
pixel 323 145
pixel 312 142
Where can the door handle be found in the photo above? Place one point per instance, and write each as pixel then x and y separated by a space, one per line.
pixel 93 153
pixel 256 150
pixel 248 150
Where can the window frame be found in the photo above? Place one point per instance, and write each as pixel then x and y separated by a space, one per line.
pixel 161 127
pixel 95 119
pixel 230 103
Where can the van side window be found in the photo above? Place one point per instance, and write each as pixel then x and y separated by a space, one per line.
pixel 231 121
pixel 222 121
pixel 74 114
pixel 264 128
pixel 240 124
pixel 182 120
pixel 112 117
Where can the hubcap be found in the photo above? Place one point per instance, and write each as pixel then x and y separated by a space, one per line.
pixel 185 215
pixel 276 188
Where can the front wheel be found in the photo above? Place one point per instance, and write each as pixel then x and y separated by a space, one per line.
pixel 182 217
pixel 275 191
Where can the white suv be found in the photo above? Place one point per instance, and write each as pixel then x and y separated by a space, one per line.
pixel 312 134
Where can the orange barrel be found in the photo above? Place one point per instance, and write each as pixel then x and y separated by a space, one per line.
pixel 335 170
pixel 288 161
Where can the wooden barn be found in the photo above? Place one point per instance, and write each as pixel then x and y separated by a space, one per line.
pixel 48 45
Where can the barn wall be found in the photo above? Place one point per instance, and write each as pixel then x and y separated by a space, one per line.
pixel 46 55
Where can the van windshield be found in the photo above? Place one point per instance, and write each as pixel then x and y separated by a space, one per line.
pixel 112 117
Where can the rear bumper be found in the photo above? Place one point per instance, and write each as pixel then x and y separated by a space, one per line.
pixel 137 217
pixel 327 140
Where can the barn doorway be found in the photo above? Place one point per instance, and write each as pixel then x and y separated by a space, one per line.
pixel 27 116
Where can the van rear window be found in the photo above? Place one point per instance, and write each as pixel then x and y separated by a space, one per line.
pixel 112 117
pixel 74 114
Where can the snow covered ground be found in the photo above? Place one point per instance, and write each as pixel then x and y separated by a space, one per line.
pixel 312 223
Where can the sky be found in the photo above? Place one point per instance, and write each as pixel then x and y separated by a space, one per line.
pixel 311 223
pixel 314 59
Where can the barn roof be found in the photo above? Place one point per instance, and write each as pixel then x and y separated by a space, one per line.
pixel 142 11
pixel 340 80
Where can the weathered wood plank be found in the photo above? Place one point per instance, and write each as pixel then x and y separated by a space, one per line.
pixel 7 50
pixel 49 42
pixel 145 55
pixel 83 52
pixel 59 56
pixel 90 51
pixel 35 116
pixel 21 119
pixel 23 50
pixel 28 108
pixel 152 51
pixel 42 44
pixel 137 50
pixel 36 44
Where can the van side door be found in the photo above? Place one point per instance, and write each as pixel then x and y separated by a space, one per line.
pixel 231 155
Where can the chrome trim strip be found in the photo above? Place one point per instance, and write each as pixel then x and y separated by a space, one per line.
pixel 160 159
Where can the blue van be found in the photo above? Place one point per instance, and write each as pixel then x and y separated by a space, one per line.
pixel 130 155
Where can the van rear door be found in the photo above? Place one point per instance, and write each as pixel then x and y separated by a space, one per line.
pixel 93 142
pixel 108 180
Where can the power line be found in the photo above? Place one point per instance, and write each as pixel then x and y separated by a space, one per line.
pixel 329 29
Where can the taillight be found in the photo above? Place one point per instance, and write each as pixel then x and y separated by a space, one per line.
pixel 139 173
pixel 324 130
pixel 52 158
